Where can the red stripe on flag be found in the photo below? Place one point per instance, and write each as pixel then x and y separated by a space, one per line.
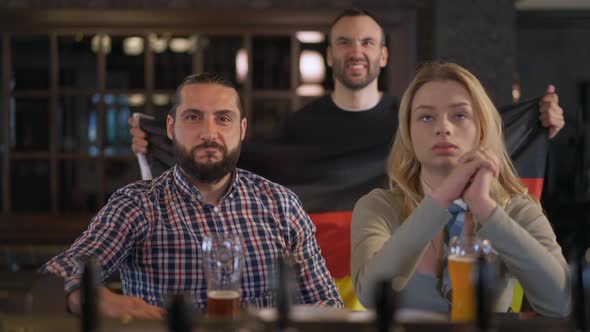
pixel 333 236
pixel 535 186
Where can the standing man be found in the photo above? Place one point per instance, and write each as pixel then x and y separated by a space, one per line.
pixel 152 230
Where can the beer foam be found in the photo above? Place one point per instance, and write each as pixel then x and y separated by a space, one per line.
pixel 223 294
pixel 462 259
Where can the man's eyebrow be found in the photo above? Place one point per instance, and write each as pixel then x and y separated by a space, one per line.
pixel 192 111
pixel 200 112
pixel 224 112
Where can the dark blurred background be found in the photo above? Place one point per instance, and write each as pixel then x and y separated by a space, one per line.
pixel 72 72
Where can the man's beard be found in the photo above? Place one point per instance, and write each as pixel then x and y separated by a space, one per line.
pixel 339 73
pixel 208 172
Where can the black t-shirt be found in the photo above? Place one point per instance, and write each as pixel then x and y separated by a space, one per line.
pixel 321 122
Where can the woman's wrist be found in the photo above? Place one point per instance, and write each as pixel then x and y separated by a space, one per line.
pixel 482 209
pixel 439 199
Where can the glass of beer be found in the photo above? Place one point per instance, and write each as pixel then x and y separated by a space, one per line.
pixel 224 260
pixel 462 259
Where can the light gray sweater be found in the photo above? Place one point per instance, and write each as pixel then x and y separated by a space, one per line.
pixel 385 248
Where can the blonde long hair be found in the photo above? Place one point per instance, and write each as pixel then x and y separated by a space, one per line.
pixel 403 168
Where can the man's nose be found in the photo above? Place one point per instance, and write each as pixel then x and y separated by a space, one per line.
pixel 209 129
pixel 356 48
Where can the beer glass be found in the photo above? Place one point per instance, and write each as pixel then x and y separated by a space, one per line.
pixel 461 261
pixel 223 256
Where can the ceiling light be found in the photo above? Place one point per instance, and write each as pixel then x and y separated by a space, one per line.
pixel 161 99
pixel 180 45
pixel 311 67
pixel 158 45
pixel 101 40
pixel 310 90
pixel 241 65
pixel 133 45
pixel 310 37
pixel 136 99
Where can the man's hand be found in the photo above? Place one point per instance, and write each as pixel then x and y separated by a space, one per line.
pixel 118 306
pixel 551 113
pixel 139 143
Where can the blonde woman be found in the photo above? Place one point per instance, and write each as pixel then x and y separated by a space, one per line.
pixel 449 146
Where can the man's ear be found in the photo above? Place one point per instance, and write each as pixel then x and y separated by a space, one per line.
pixel 329 56
pixel 384 56
pixel 244 125
pixel 170 127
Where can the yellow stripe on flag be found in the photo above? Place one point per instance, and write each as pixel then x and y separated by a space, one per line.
pixel 347 293
pixel 517 297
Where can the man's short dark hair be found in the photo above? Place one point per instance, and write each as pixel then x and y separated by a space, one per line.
pixel 354 12
pixel 204 78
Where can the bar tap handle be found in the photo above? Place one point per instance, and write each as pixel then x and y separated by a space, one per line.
pixel 89 296
pixel 579 290
pixel 484 292
pixel 180 314
pixel 284 291
pixel 385 305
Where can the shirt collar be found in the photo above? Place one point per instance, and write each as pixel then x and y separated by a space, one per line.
pixel 183 182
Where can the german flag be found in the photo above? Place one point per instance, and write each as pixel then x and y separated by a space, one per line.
pixel 526 141
pixel 330 180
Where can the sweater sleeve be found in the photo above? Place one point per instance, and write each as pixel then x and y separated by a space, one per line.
pixel 527 245
pixel 383 248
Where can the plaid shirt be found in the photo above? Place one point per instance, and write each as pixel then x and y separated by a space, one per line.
pixel 152 232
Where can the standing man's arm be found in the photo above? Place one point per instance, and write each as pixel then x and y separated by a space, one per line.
pixel 551 113
pixel 139 141
pixel 315 285
pixel 140 144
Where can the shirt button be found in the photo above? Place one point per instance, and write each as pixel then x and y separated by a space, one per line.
pixel 199 197
pixel 216 209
